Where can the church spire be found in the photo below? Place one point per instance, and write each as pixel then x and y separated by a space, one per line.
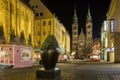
pixel 89 18
pixel 88 15
pixel 75 14
pixel 82 32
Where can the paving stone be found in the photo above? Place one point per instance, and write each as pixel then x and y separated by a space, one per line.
pixel 69 71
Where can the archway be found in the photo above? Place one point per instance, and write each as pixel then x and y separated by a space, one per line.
pixel 22 38
pixel 29 40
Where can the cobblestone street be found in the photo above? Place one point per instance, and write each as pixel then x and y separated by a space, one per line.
pixel 90 71
pixel 69 71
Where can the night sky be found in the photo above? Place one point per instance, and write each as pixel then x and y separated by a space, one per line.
pixel 64 10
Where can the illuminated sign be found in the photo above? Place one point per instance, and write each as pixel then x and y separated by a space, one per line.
pixel 26 55
pixel 112 49
pixel 112 25
pixel 105 25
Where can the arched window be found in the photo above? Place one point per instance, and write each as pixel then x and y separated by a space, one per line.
pixel 22 38
pixel 12 36
pixel 1 33
pixel 29 40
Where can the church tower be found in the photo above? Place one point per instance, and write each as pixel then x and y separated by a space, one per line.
pixel 81 43
pixel 75 33
pixel 89 38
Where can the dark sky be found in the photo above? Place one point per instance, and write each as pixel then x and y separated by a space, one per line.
pixel 64 10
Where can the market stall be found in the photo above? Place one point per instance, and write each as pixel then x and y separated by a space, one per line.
pixel 16 55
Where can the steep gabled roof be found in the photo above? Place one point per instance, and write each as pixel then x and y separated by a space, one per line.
pixel 41 8
pixel 26 2
pixel 81 33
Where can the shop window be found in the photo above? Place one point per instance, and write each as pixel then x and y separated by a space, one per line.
pixel 22 39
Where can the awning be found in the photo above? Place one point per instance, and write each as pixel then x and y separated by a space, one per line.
pixel 37 49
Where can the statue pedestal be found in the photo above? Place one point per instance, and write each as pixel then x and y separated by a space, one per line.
pixel 48 74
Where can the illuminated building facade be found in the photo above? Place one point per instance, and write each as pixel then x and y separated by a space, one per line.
pixel 89 38
pixel 111 33
pixel 75 35
pixel 16 23
pixel 96 53
pixel 22 25
pixel 68 44
pixel 105 41
pixel 82 41
pixel 47 24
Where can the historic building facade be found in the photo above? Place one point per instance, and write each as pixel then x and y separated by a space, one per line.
pixel 81 42
pixel 75 34
pixel 47 24
pixel 16 23
pixel 89 38
pixel 111 33
pixel 30 23
pixel 27 24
